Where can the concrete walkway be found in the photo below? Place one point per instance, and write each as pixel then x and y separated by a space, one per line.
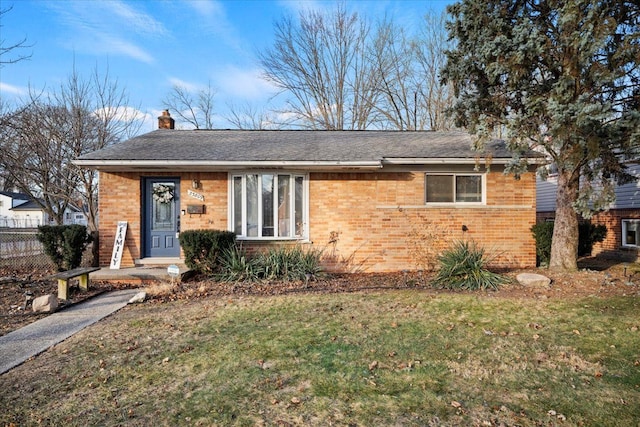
pixel 31 340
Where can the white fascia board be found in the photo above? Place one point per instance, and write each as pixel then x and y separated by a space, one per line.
pixel 453 161
pixel 223 165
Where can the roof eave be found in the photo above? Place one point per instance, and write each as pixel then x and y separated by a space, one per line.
pixel 217 165
pixel 456 161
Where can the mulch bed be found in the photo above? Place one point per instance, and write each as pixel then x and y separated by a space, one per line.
pixel 599 278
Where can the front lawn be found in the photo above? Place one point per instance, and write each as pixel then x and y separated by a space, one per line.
pixel 392 357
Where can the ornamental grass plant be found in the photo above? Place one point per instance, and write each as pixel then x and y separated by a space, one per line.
pixel 464 267
pixel 278 263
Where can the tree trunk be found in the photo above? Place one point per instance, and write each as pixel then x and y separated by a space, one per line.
pixel 564 245
pixel 95 249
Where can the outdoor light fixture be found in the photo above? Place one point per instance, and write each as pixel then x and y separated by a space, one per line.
pixel 195 184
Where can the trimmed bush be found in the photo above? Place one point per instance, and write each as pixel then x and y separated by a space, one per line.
pixel 588 235
pixel 463 267
pixel 543 233
pixel 64 244
pixel 202 248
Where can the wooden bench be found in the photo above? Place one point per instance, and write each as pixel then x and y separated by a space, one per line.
pixel 81 273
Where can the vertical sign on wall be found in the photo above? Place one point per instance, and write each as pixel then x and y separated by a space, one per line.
pixel 118 245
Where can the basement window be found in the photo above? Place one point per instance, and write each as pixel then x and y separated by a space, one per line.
pixel 454 188
pixel 269 206
pixel 631 233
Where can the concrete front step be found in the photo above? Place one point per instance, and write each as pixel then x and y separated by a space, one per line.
pixel 141 274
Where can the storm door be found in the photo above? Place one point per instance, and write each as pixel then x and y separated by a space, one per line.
pixel 161 217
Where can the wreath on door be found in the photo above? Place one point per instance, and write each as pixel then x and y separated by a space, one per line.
pixel 162 193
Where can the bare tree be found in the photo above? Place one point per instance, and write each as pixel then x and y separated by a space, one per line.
pixel 341 74
pixel 318 61
pixel 40 141
pixel 37 159
pixel 393 59
pixel 435 97
pixel 196 109
pixel 8 49
pixel 248 116
pixel 101 115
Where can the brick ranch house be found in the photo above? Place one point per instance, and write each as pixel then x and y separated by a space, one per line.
pixel 622 219
pixel 373 201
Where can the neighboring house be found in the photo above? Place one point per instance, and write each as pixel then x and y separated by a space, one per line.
pixel 622 219
pixel 18 210
pixel 371 200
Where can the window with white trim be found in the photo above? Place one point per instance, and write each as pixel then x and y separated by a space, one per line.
pixel 454 188
pixel 268 205
pixel 631 233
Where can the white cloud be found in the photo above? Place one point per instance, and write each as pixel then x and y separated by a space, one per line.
pixel 189 87
pixel 137 21
pixel 237 83
pixel 297 6
pixel 123 47
pixel 211 18
pixel 14 90
pixel 208 8
pixel 121 113
pixel 108 27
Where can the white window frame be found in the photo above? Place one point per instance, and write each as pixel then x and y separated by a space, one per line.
pixel 483 189
pixel 624 222
pixel 305 205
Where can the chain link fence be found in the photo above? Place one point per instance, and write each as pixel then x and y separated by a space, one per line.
pixel 21 251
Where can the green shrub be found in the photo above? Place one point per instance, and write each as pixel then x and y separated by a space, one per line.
pixel 64 244
pixel 202 248
pixel 463 267
pixel 588 235
pixel 76 239
pixel 280 263
pixel 543 233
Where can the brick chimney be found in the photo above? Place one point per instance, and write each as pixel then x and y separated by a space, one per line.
pixel 165 121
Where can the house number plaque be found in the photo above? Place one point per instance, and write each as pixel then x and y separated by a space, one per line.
pixel 195 195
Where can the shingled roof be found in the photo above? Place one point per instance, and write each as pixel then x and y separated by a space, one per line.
pixel 230 149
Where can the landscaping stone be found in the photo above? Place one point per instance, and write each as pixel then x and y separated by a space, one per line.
pixel 533 280
pixel 139 297
pixel 45 304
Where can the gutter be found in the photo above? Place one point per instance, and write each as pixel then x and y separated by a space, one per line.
pixel 224 165
pixel 455 161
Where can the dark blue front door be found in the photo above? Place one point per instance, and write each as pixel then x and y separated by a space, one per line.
pixel 162 217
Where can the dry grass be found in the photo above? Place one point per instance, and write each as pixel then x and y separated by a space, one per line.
pixel 403 357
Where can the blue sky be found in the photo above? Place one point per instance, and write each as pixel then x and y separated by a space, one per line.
pixel 150 45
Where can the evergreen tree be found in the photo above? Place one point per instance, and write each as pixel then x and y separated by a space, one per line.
pixel 558 76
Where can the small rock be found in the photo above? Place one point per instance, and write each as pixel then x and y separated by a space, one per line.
pixel 139 297
pixel 45 304
pixel 533 280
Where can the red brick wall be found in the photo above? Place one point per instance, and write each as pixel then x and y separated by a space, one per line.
pixel 612 244
pixel 611 247
pixel 379 222
pixel 362 221
pixel 120 200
